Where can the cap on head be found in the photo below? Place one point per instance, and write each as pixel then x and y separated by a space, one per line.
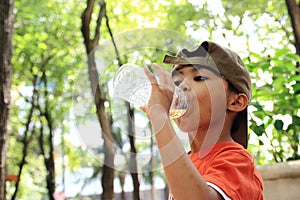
pixel 228 64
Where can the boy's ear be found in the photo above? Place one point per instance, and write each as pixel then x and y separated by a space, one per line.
pixel 237 102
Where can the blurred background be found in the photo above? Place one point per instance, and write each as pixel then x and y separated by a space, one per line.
pixel 65 135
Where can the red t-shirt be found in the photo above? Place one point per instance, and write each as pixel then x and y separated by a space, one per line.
pixel 230 167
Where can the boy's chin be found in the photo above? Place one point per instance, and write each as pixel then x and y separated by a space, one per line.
pixel 187 126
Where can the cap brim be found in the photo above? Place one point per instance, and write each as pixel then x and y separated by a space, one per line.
pixel 241 135
pixel 178 61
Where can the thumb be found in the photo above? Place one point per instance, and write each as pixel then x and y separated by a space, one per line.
pixel 143 108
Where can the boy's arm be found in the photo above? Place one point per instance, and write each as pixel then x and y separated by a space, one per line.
pixel 184 180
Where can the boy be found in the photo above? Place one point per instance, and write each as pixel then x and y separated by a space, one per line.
pixel 218 87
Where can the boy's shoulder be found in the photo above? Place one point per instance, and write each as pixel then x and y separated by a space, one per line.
pixel 223 150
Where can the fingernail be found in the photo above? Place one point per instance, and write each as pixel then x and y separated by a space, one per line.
pixel 155 65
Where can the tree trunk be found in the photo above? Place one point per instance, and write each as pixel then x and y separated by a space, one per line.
pixel 48 160
pixel 6 34
pixel 50 165
pixel 48 156
pixel 294 13
pixel 99 96
pixel 133 163
pixel 122 182
pixel 26 139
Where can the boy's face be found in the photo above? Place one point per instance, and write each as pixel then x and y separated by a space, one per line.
pixel 207 92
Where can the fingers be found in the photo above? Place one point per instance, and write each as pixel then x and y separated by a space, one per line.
pixel 150 75
pixel 165 78
pixel 160 71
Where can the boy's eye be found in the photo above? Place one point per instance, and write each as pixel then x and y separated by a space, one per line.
pixel 200 78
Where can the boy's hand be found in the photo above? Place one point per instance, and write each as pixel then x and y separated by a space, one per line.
pixel 161 93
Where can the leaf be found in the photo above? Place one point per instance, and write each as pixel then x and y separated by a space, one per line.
pixel 278 124
pixel 296 120
pixel 257 105
pixel 296 88
pixel 261 142
pixel 293 56
pixel 258 130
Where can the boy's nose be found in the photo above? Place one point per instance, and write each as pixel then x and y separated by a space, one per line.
pixel 184 86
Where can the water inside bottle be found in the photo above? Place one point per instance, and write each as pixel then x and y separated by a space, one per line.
pixel 176 113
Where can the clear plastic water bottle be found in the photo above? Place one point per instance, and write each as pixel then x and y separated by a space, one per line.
pixel 132 85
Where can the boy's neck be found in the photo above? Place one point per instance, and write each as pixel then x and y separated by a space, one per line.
pixel 199 141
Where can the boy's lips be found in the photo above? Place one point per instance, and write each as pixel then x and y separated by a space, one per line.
pixel 189 108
